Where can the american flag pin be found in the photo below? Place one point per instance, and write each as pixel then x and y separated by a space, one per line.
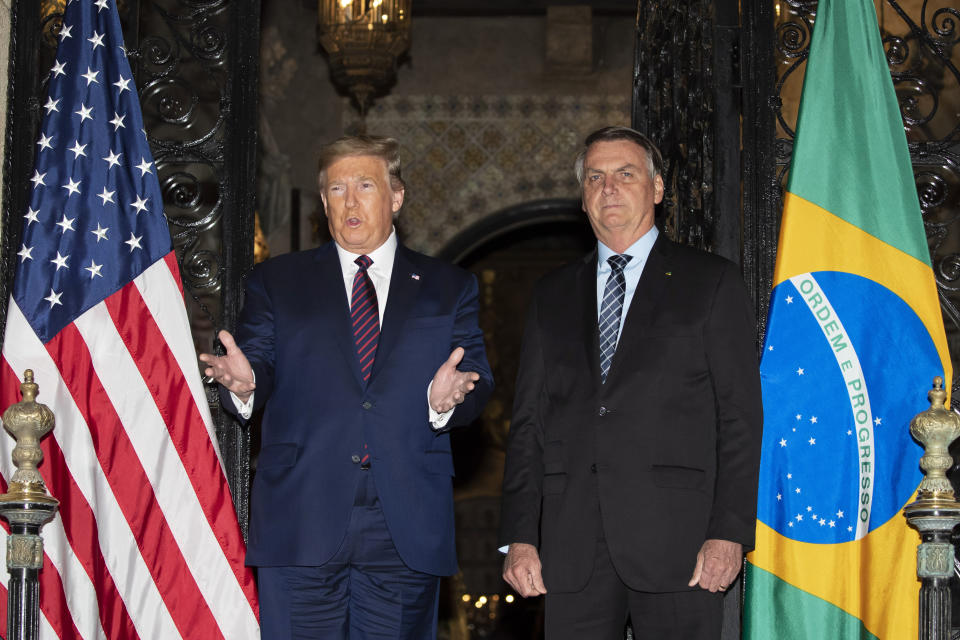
pixel 415 276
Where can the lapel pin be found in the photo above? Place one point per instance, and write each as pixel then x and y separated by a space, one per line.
pixel 415 276
pixel 668 273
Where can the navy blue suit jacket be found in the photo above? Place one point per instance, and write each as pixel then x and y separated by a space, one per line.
pixel 295 330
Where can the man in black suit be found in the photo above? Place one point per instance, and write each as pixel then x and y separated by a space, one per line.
pixel 633 455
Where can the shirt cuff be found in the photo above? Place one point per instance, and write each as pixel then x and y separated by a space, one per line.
pixel 244 409
pixel 437 420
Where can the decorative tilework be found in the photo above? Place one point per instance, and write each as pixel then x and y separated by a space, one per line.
pixel 467 157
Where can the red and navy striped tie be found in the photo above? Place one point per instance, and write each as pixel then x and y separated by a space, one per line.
pixel 365 316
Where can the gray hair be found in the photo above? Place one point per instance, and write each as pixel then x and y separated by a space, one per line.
pixel 610 134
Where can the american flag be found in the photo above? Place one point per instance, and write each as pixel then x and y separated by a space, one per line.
pixel 146 543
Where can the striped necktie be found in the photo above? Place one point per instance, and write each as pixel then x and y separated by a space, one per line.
pixel 365 316
pixel 611 309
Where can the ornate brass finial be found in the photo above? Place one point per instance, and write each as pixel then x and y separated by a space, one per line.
pixel 27 421
pixel 935 429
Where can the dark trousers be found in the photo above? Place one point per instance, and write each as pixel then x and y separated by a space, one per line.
pixel 364 592
pixel 600 610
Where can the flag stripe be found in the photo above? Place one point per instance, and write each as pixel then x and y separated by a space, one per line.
pixel 72 442
pixel 166 383
pixel 125 473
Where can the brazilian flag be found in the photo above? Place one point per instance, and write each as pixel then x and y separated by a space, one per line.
pixel 855 337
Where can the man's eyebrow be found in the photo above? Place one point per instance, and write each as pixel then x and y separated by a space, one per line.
pixel 629 165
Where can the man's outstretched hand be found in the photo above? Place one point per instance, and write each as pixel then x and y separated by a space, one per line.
pixel 450 386
pixel 232 370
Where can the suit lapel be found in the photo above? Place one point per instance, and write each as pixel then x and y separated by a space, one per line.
pixel 404 287
pixel 586 292
pixel 648 293
pixel 335 308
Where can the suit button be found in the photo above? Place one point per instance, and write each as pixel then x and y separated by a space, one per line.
pixel 367 405
pixel 593 468
pixel 603 411
pixel 355 459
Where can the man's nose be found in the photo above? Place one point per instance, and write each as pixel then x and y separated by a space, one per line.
pixel 350 199
pixel 609 185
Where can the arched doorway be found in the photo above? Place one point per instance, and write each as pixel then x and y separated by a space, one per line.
pixel 508 251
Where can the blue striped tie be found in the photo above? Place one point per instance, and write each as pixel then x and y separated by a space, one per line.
pixel 611 309
pixel 365 316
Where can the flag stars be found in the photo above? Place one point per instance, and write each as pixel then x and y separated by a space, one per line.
pixel 90 76
pixel 849 432
pixel 78 149
pixel 37 179
pixel 770 348
pixel 779 497
pixel 113 159
pixel 832 524
pixel 822 522
pixel 58 69
pixel 25 253
pixel 813 419
pixel 144 166
pixel 61 261
pixel 839 514
pixel 94 270
pixel 783 442
pixel 52 105
pixel 123 84
pixel 877 421
pixel 101 5
pixel 100 232
pixel 106 196
pixel 54 298
pixel 799 416
pixel 789 299
pixel 799 517
pixel 96 40
pixel 789 476
pixel 65 32
pixel 800 371
pixel 812 441
pixel 849 528
pixel 140 205
pixel 797 490
pixel 66 223
pixel 31 216
pixel 85 112
pixel 117 122
pixel 809 509
pixel 72 187
pixel 44 142
pixel 134 242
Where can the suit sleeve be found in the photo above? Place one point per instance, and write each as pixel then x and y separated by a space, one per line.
pixel 255 335
pixel 523 471
pixel 467 334
pixel 731 354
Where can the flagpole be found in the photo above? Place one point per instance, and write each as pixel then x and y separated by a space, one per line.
pixel 27 507
pixel 935 513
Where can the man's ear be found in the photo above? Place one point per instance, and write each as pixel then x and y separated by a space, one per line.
pixel 397 200
pixel 658 189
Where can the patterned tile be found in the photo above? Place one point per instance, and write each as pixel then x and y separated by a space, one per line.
pixel 467 157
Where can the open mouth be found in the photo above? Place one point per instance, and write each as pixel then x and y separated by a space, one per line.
pixel 353 223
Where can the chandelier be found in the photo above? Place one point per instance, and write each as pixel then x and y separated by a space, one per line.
pixel 363 39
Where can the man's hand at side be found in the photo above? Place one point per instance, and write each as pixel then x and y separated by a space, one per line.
pixel 718 564
pixel 232 370
pixel 450 386
pixel 522 570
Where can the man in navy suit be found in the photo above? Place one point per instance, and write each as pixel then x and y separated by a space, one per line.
pixel 364 354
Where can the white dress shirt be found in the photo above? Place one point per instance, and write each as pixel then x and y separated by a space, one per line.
pixel 379 271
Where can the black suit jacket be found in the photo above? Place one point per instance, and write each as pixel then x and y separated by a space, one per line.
pixel 665 453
